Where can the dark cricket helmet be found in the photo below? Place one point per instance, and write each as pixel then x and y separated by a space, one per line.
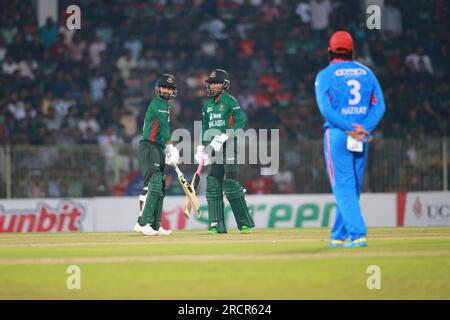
pixel 166 80
pixel 217 76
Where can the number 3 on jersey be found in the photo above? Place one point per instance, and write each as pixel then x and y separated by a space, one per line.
pixel 356 86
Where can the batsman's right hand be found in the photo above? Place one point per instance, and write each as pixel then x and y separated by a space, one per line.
pixel 202 155
pixel 172 155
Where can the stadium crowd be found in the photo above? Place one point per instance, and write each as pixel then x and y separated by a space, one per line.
pixel 92 86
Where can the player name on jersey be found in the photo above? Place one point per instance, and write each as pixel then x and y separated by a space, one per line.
pixel 354 110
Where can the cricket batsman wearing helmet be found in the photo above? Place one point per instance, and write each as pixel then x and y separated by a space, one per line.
pixel 223 114
pixel 351 101
pixel 155 150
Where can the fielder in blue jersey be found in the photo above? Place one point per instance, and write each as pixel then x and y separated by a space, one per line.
pixel 351 101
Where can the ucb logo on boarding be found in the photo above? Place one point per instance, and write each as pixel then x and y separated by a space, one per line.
pixel 438 211
pixel 432 211
pixel 65 217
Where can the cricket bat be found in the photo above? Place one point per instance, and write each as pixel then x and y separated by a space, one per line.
pixel 188 190
pixel 194 183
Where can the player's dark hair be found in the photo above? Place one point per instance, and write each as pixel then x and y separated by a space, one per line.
pixel 344 56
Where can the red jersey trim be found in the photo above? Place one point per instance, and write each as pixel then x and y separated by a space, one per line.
pixel 152 137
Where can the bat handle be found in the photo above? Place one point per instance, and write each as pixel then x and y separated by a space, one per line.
pixel 179 173
pixel 200 167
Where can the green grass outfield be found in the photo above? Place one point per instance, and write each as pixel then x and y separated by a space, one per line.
pixel 267 264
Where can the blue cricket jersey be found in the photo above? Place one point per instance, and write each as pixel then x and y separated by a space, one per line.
pixel 348 92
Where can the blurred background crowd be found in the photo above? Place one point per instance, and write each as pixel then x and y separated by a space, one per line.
pixel 92 86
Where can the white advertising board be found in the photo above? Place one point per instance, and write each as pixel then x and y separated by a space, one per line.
pixel 106 214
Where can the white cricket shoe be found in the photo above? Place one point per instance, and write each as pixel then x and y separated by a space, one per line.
pixel 148 230
pixel 164 232
pixel 137 227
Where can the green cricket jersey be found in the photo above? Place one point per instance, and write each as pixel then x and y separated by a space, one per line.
pixel 223 115
pixel 156 125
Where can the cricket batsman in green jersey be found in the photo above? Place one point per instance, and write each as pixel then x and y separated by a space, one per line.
pixel 154 152
pixel 223 114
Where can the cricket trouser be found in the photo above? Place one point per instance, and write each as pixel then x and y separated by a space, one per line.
pixel 151 159
pixel 224 177
pixel 151 162
pixel 226 166
pixel 346 173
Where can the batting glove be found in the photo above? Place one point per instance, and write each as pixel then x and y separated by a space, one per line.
pixel 202 155
pixel 218 141
pixel 172 155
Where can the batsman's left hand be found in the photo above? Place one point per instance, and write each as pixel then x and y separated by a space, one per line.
pixel 218 141
pixel 172 155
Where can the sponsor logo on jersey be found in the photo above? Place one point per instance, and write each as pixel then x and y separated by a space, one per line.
pixel 215 116
pixel 216 123
pixel 350 72
pixel 209 109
